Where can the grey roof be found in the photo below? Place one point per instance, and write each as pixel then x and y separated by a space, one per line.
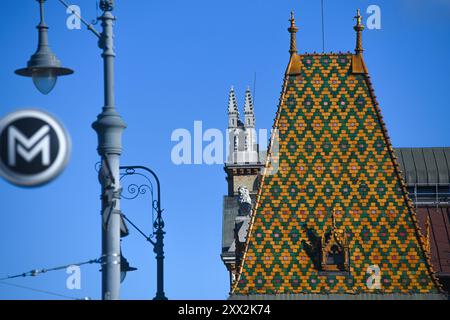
pixel 427 166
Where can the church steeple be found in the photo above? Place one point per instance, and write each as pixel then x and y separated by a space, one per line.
pixel 359 29
pixel 248 110
pixel 233 112
pixel 293 30
pixel 242 145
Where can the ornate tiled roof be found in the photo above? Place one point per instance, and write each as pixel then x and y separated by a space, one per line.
pixel 333 177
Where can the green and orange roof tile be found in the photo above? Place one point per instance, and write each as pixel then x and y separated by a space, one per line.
pixel 333 159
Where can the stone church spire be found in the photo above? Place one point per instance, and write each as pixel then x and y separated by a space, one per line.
pixel 233 112
pixel 248 110
pixel 242 137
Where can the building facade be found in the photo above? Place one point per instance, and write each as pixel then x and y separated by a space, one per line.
pixel 242 169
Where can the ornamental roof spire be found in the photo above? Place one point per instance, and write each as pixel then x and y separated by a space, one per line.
pixel 248 106
pixel 359 29
pixel 248 110
pixel 293 30
pixel 232 103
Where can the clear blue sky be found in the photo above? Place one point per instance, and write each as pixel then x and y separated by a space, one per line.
pixel 176 61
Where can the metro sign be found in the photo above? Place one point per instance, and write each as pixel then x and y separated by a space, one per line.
pixel 17 140
pixel 34 147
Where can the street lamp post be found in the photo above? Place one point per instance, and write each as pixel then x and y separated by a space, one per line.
pixel 109 127
pixel 44 68
pixel 158 222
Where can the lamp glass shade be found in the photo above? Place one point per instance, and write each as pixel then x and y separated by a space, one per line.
pixel 124 268
pixel 44 80
pixel 123 275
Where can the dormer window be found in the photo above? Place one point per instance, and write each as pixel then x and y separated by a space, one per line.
pixel 334 259
pixel 335 250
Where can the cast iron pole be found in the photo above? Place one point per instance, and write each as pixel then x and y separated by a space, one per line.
pixel 109 127
pixel 158 224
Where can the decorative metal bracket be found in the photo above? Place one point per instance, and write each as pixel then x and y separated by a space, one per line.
pixel 150 185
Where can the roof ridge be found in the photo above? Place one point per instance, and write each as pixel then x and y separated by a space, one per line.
pixel 325 53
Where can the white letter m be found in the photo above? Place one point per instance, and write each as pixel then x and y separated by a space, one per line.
pixel 29 148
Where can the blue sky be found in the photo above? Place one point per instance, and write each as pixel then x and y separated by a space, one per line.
pixel 176 61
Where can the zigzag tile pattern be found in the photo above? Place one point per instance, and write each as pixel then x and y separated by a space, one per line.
pixel 333 155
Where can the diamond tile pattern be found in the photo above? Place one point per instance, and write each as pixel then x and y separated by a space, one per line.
pixel 334 154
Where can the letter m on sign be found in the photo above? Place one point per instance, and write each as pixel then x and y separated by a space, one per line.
pixel 29 148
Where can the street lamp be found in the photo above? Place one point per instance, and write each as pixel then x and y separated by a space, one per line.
pixel 44 68
pixel 124 268
pixel 134 191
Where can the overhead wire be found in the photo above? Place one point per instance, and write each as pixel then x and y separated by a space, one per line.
pixel 323 27
pixel 36 272
pixel 41 291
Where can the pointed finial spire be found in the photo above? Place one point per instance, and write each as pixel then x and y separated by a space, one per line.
pixel 248 106
pixel 293 30
pixel 358 28
pixel 232 103
pixel 233 112
pixel 248 110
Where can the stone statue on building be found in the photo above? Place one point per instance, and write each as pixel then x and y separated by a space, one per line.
pixel 245 202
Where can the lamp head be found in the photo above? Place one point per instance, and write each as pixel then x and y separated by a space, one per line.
pixel 43 67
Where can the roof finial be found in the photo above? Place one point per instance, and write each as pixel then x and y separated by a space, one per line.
pixel 248 106
pixel 293 30
pixel 232 103
pixel 358 28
